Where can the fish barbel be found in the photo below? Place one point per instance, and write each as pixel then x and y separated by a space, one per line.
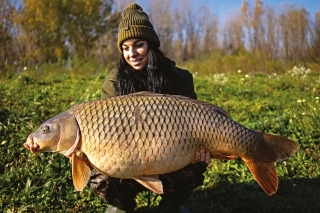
pixel 144 134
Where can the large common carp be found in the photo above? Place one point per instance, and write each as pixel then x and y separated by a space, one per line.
pixel 144 134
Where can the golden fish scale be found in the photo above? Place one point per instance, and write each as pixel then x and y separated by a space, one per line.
pixel 130 136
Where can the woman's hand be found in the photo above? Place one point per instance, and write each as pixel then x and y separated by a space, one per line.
pixel 202 155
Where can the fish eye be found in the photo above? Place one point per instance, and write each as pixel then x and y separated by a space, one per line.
pixel 45 129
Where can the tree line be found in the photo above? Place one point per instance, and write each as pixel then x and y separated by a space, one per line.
pixel 34 32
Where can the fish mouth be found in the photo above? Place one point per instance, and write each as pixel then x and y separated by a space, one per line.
pixel 31 145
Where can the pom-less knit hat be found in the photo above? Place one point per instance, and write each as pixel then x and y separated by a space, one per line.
pixel 135 24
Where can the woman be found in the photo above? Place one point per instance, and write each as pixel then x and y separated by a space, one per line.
pixel 143 67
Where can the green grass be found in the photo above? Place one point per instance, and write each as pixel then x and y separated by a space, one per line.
pixel 285 104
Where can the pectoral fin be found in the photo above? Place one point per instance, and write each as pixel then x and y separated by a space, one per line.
pixel 151 182
pixel 80 172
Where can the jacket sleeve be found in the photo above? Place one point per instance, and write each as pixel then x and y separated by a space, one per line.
pixel 185 85
pixel 108 88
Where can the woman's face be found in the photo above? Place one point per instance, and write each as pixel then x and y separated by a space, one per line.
pixel 135 52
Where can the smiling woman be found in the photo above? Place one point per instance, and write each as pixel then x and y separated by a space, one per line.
pixel 143 67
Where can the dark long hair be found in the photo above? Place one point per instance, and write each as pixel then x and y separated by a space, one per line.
pixel 157 76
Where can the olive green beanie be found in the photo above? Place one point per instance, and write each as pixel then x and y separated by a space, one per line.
pixel 135 24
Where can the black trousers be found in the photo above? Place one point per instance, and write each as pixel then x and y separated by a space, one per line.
pixel 177 187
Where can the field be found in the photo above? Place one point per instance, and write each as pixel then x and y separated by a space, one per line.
pixel 285 104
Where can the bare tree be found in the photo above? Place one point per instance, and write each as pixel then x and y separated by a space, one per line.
pixel 161 16
pixel 193 29
pixel 258 31
pixel 106 51
pixel 294 25
pixel 233 36
pixel 6 39
pixel 315 38
pixel 272 39
pixel 210 31
pixel 180 53
pixel 245 18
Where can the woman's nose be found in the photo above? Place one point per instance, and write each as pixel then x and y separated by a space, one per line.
pixel 132 52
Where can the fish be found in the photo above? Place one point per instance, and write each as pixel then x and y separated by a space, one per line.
pixel 142 135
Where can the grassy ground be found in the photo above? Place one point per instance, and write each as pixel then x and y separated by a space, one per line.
pixel 285 104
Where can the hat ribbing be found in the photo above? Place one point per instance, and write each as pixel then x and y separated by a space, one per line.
pixel 135 24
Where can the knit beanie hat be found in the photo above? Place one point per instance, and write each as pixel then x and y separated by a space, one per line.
pixel 135 24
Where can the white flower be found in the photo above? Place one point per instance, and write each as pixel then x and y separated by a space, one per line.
pixel 220 78
pixel 299 71
pixel 301 101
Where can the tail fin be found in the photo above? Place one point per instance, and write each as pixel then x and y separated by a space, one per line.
pixel 261 165
pixel 283 147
